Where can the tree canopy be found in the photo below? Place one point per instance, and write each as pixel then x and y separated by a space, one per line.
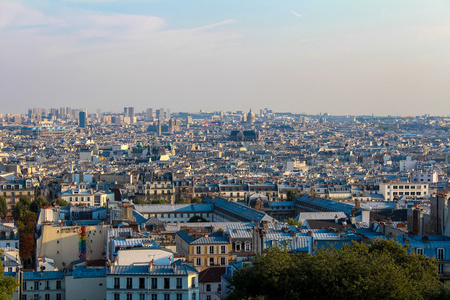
pixel 380 270
pixel 3 207
pixel 158 201
pixel 140 201
pixel 196 200
pixel 36 205
pixel 291 194
pixel 61 202
pixel 7 285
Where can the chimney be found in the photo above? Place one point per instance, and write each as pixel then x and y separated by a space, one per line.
pixel 150 265
pixel 336 219
pixel 357 204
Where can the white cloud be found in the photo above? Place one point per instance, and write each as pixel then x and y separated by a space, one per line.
pixel 296 14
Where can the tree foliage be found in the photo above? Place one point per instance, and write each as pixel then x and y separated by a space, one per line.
pixel 291 194
pixel 26 225
pixel 196 200
pixel 38 203
pixel 61 202
pixel 21 207
pixel 380 270
pixel 293 222
pixel 180 201
pixel 7 285
pixel 158 201
pixel 3 207
pixel 140 201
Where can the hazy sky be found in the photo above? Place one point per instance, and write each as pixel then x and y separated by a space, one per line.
pixel 340 57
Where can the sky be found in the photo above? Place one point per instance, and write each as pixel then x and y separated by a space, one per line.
pixel 384 57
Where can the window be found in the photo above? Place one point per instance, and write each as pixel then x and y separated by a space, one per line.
pixel 58 284
pixel 154 296
pixel 24 297
pixel 211 249
pixel 36 285
pixel 154 283
pixel 167 283
pixel 219 287
pixel 47 296
pixel 117 283
pixel 198 261
pixel 129 296
pixel 141 296
pixel 116 296
pixel 179 283
pixel 208 287
pixel 166 296
pixel 142 283
pixel 238 247
pixel 419 251
pixel 248 247
pixel 36 296
pixel 58 296
pixel 440 253
pixel 194 296
pixel 223 261
pixel 441 269
pixel 47 285
pixel 193 282
pixel 179 296
pixel 129 283
pixel 208 297
pixel 211 261
pixel 223 249
pixel 395 187
pixel 198 250
pixel 24 285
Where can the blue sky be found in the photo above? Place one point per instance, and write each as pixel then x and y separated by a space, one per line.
pixel 340 57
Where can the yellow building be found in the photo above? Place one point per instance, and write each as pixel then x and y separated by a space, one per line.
pixel 13 190
pixel 203 247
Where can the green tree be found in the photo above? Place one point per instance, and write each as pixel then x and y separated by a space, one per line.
pixel 293 222
pixel 21 207
pixel 291 194
pixel 381 269
pixel 180 201
pixel 158 201
pixel 25 200
pixel 3 207
pixel 62 202
pixel 140 201
pixel 7 285
pixel 196 200
pixel 36 205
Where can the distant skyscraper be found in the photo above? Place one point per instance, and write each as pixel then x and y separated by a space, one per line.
pixel 149 113
pixel 131 114
pixel 82 119
pixel 168 114
pixel 160 114
pixel 158 132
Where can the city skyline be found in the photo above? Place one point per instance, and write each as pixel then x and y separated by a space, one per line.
pixel 346 58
